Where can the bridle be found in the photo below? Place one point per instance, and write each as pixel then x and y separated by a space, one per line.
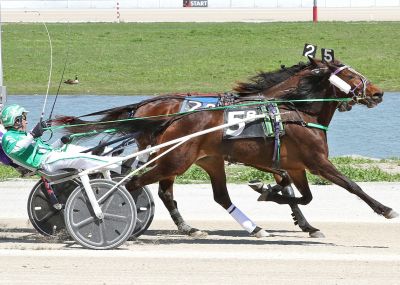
pixel 358 93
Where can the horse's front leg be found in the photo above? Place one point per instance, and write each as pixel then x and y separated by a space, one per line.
pixel 166 194
pixel 327 170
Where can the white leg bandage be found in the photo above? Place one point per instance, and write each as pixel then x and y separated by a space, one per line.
pixel 241 218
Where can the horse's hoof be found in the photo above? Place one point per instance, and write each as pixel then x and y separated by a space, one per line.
pixel 197 233
pixel 316 234
pixel 391 215
pixel 263 196
pixel 261 234
pixel 256 185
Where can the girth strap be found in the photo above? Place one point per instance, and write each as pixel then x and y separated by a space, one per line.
pixel 316 126
pixel 307 125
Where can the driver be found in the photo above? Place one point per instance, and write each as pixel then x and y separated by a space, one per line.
pixel 28 150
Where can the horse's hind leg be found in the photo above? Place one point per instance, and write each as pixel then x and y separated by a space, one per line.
pixel 327 170
pixel 298 217
pixel 299 179
pixel 162 172
pixel 214 166
pixel 284 180
pixel 166 194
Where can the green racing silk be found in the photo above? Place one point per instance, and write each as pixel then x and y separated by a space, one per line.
pixel 23 148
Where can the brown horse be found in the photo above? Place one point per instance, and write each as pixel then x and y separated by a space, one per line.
pixel 303 147
pixel 265 85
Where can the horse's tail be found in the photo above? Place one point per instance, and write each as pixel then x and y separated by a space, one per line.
pixel 134 126
pixel 117 111
pixel 73 125
pixel 129 110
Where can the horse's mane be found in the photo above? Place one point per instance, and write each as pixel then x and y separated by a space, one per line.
pixel 312 86
pixel 265 80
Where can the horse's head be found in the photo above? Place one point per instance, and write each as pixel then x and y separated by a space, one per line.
pixel 349 83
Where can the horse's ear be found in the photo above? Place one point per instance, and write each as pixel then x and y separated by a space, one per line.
pixel 312 61
pixel 329 64
pixel 319 70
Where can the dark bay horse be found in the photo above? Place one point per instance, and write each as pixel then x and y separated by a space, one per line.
pixel 303 147
pixel 265 85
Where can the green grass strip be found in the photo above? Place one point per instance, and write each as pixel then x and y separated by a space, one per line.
pixel 357 169
pixel 153 58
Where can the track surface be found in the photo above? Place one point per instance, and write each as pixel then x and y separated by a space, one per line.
pixel 360 247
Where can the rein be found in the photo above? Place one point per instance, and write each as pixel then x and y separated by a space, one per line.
pixel 208 109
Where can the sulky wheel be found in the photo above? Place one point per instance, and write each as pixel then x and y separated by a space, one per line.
pixel 145 210
pixel 47 220
pixel 119 216
pixel 144 206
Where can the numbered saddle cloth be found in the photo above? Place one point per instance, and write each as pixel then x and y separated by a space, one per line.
pixel 270 126
pixel 195 103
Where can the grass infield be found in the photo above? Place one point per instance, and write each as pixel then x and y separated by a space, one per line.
pixel 357 169
pixel 153 58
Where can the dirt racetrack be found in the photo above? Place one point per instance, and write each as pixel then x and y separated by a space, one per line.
pixel 360 247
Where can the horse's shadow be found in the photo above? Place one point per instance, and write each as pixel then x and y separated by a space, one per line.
pixel 18 230
pixel 240 238
pixel 173 237
pixel 30 236
pixel 213 238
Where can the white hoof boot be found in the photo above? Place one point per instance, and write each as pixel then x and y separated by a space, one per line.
pixel 198 234
pixel 391 215
pixel 316 234
pixel 261 234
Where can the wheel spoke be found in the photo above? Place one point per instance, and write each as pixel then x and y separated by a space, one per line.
pixel 107 195
pixel 114 217
pixel 84 222
pixel 42 196
pixel 102 229
pixel 104 207
pixel 48 215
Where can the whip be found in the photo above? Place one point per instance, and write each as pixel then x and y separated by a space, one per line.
pixel 61 79
pixel 51 64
